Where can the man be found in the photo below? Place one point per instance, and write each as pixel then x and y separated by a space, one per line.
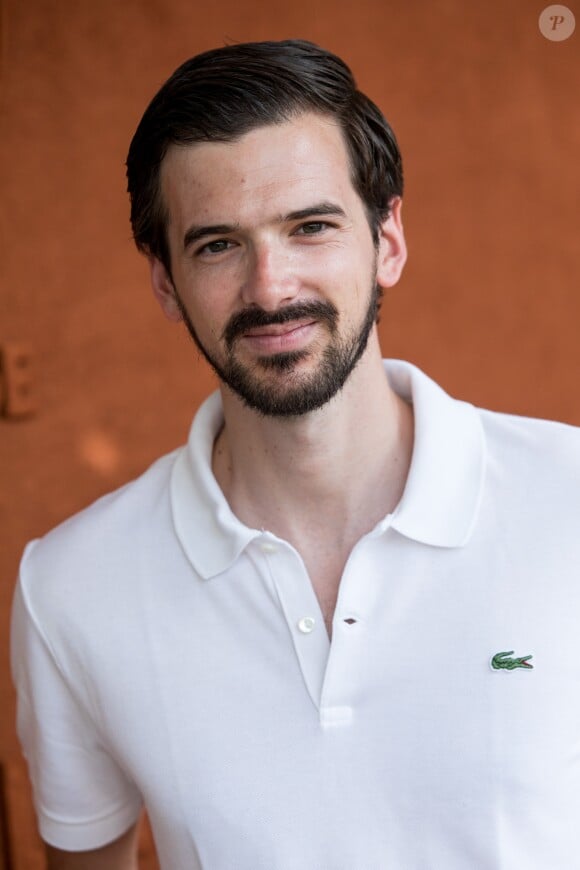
pixel 339 629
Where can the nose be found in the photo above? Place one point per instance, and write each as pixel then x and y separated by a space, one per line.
pixel 270 281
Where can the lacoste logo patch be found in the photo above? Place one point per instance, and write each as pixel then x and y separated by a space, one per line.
pixel 501 661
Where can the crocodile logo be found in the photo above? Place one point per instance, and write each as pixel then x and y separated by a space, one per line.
pixel 502 661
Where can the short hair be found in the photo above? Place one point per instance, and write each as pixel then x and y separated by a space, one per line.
pixel 220 95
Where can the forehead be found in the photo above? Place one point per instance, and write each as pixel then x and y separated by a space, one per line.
pixel 266 172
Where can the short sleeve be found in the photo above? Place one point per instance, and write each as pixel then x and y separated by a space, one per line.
pixel 82 797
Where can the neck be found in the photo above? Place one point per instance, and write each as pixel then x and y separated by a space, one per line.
pixel 338 470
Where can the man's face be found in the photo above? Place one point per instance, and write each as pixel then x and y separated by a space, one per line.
pixel 273 264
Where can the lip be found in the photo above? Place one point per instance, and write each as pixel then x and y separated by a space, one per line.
pixel 279 337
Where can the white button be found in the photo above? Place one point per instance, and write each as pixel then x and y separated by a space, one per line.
pixel 306 624
pixel 268 548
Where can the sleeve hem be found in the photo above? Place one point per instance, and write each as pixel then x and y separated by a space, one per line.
pixel 74 836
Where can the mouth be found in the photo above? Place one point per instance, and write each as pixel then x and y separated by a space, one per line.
pixel 279 337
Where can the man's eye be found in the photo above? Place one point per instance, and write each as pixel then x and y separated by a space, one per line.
pixel 312 228
pixel 215 247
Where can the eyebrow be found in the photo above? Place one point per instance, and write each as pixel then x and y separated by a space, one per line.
pixel 321 208
pixel 195 232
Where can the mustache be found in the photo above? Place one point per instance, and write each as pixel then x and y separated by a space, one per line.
pixel 250 318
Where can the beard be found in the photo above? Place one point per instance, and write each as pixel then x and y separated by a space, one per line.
pixel 297 394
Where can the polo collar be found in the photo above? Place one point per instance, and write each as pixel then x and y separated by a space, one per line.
pixel 439 503
pixel 444 486
pixel 209 532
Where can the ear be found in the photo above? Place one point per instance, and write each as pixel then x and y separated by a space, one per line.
pixel 392 246
pixel 163 289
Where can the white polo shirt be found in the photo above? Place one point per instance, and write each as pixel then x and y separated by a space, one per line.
pixel 165 653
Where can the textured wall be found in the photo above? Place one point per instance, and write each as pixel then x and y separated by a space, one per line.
pixel 486 111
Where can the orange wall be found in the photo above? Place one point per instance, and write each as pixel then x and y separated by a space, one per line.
pixel 486 111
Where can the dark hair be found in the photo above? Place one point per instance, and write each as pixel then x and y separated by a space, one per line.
pixel 221 94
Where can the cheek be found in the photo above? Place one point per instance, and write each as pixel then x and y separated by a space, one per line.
pixel 207 303
pixel 208 321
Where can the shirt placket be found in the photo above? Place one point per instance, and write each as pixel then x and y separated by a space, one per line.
pixel 349 664
pixel 330 670
pixel 301 611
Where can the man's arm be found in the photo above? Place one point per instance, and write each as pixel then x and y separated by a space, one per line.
pixel 119 855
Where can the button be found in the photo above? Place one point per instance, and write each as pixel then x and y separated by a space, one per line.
pixel 306 624
pixel 266 547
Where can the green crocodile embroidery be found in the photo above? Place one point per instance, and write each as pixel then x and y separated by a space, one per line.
pixel 501 661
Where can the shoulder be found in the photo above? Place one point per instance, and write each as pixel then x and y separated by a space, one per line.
pixel 537 459
pixel 546 441
pixel 96 547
